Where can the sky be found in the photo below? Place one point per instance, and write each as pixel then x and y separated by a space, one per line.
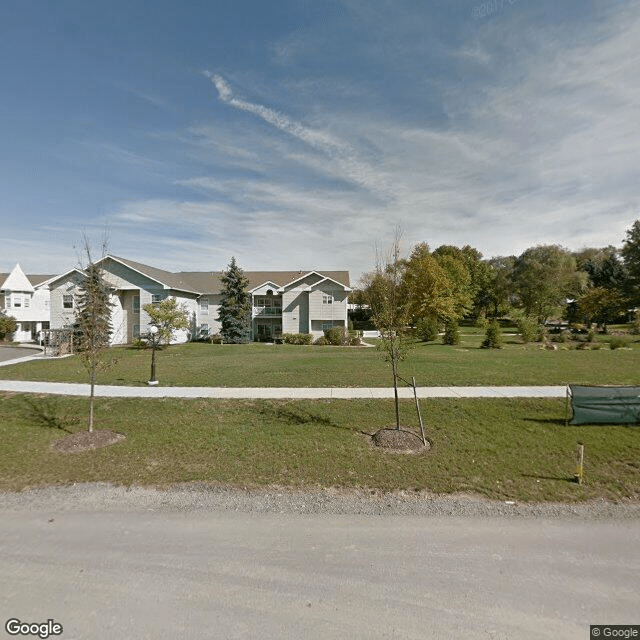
pixel 300 134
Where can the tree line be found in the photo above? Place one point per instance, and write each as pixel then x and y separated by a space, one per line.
pixel 438 288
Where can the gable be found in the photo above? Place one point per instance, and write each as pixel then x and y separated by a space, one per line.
pixel 263 288
pixel 17 281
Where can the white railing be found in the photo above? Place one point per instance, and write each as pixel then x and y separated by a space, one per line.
pixel 267 311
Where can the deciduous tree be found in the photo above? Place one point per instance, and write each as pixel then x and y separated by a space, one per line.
pixel 436 286
pixel 544 277
pixel 168 316
pixel 384 293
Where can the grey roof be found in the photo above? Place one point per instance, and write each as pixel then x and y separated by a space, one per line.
pixel 209 281
pixel 35 280
pixel 172 280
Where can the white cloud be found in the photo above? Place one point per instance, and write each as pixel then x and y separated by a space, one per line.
pixel 543 150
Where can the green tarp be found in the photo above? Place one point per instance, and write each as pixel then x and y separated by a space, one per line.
pixel 604 405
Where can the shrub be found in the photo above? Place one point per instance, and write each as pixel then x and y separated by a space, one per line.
pixel 8 325
pixel 528 329
pixel 337 336
pixel 427 329
pixel 215 338
pixel 617 342
pixel 139 343
pixel 562 337
pixel 321 341
pixel 493 337
pixel 297 338
pixel 451 333
pixel 542 333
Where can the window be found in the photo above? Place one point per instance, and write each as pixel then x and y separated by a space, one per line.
pixel 17 301
pixel 204 330
pixel 327 298
pixel 204 305
pixel 156 298
pixel 136 330
pixel 268 301
pixel 136 306
pixel 27 301
pixel 67 301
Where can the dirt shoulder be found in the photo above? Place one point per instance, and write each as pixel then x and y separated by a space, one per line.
pixel 104 497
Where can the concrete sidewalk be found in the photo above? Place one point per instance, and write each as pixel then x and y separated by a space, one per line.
pixel 247 393
pixel 312 393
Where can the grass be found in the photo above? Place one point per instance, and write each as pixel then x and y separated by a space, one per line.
pixel 432 364
pixel 502 449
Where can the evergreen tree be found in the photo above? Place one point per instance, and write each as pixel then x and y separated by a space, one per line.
pixel 493 337
pixel 451 333
pixel 93 324
pixel 235 307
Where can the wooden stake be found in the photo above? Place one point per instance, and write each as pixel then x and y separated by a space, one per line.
pixel 415 395
pixel 579 472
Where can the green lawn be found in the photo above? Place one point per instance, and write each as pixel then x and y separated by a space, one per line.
pixel 432 364
pixel 503 449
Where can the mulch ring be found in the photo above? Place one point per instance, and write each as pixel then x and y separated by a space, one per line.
pixel 401 440
pixel 84 440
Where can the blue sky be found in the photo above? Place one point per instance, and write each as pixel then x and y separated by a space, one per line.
pixel 297 134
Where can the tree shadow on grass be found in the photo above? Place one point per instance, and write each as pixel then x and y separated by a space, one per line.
pixel 299 416
pixel 46 412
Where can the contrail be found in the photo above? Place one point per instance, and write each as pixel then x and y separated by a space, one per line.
pixel 313 138
pixel 358 172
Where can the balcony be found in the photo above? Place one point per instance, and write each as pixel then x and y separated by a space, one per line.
pixel 267 312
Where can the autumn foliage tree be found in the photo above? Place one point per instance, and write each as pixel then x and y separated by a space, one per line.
pixel 436 286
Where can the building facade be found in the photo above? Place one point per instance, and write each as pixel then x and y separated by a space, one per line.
pixel 282 301
pixel 27 299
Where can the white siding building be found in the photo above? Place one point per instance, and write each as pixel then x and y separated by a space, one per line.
pixel 26 298
pixel 283 301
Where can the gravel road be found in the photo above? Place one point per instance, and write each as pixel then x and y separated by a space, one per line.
pixel 212 562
